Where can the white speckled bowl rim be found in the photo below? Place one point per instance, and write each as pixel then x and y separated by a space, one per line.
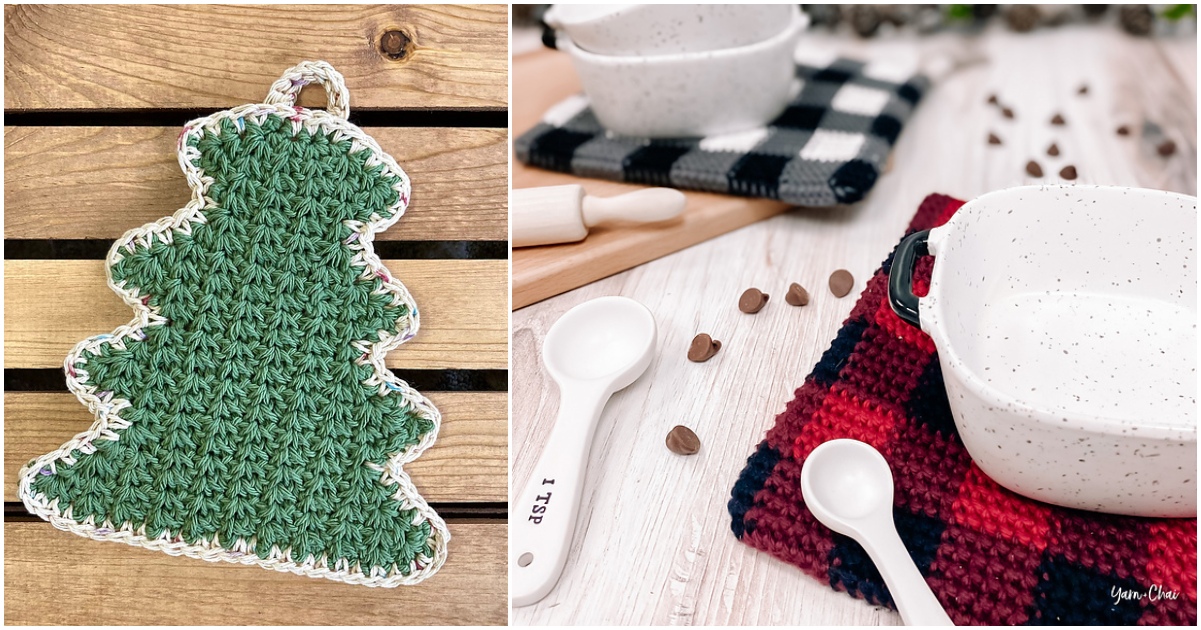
pixel 1090 423
pixel 799 22
pixel 621 14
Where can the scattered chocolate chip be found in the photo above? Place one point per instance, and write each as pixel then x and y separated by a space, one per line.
pixel 1057 119
pixel 993 139
pixel 992 99
pixel 1166 148
pixel 1123 130
pixel 1034 169
pixel 841 282
pixel 1068 172
pixel 1053 150
pixel 682 441
pixel 703 348
pixel 752 300
pixel 1006 112
pixel 797 295
pixel 1083 89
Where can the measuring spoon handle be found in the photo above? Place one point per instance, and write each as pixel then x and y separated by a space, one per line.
pixel 914 599
pixel 543 519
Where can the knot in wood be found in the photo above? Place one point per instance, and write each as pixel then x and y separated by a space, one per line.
pixel 395 45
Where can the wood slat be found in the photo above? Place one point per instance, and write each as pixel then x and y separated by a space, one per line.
pixel 98 182
pixel 468 463
pixel 58 578
pixel 59 57
pixel 50 305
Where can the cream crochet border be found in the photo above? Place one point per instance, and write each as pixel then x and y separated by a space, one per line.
pixel 107 408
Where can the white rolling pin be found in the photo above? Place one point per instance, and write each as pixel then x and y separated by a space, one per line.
pixel 563 214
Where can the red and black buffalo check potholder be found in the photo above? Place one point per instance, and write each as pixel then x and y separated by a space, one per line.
pixel 991 556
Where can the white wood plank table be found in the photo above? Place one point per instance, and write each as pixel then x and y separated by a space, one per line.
pixel 653 543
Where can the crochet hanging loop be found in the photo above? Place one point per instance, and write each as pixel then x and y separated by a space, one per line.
pixel 285 90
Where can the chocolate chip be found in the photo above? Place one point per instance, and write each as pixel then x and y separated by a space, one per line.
pixel 682 441
pixel 1034 169
pixel 1068 172
pixel 1057 119
pixel 1006 112
pixel 752 300
pixel 797 295
pixel 1123 130
pixel 1053 150
pixel 992 99
pixel 841 282
pixel 993 139
pixel 1166 148
pixel 703 348
pixel 1083 89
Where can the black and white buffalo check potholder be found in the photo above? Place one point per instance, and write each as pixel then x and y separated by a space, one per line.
pixel 826 148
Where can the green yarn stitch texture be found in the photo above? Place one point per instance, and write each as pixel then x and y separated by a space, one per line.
pixel 249 416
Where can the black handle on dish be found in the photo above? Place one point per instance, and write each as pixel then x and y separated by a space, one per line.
pixel 900 276
pixel 549 36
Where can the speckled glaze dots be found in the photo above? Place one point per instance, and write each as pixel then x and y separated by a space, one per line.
pixel 1069 313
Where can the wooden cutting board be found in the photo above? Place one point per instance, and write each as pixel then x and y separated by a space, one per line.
pixel 541 79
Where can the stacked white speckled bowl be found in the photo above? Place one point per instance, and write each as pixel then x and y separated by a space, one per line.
pixel 662 71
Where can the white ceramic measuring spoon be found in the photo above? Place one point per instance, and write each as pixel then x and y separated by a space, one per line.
pixel 592 351
pixel 848 486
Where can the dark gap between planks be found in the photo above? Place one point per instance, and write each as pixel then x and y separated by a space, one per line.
pixel 484 118
pixel 15 512
pixel 97 249
pixel 53 380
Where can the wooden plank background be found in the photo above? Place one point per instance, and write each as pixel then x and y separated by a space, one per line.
pixel 60 57
pixel 463 319
pixel 653 545
pixel 115 178
pixel 60 578
pixel 77 170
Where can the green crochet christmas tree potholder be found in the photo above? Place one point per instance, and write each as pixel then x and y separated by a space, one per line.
pixel 245 413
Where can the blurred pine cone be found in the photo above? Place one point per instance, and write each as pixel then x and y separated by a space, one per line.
pixel 865 19
pixel 1136 19
pixel 1023 17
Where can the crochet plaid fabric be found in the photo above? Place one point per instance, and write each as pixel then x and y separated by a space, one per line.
pixel 826 148
pixel 991 556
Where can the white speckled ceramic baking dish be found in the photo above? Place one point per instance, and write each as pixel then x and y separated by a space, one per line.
pixel 1066 324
